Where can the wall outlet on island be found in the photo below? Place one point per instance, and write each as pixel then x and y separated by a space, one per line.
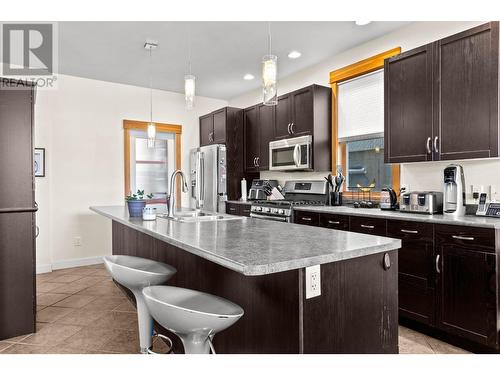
pixel 313 281
pixel 77 241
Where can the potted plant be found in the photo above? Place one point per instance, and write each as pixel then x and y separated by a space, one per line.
pixel 136 203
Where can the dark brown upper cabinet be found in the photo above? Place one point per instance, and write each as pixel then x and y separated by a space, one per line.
pixel 265 118
pixel 459 91
pixel 252 139
pixel 302 112
pixel 225 126
pixel 408 106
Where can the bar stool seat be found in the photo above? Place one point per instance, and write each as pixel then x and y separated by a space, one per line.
pixel 192 315
pixel 136 273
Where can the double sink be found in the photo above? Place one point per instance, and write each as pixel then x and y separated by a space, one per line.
pixel 187 215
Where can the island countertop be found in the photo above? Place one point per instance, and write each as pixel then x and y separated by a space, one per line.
pixel 254 246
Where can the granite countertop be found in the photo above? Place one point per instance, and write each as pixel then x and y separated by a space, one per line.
pixel 471 221
pixel 255 246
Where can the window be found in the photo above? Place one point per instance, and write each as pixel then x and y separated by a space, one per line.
pixel 358 125
pixel 361 132
pixel 149 169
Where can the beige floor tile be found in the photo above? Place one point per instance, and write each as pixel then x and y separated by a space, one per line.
pixel 76 301
pixel 105 303
pixel 82 317
pixel 43 277
pixel 52 313
pixel 90 338
pixel 440 347
pixel 102 290
pixel 24 349
pixel 101 272
pixel 51 334
pixel 123 342
pixel 93 280
pixel 70 288
pixel 66 278
pixel 126 306
pixel 408 346
pixel 81 271
pixel 46 287
pixel 118 320
pixel 4 345
pixel 48 299
pixel 40 307
pixel 16 339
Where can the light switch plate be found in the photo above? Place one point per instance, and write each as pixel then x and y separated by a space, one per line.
pixel 313 281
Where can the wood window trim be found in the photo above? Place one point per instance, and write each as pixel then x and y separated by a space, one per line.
pixel 343 74
pixel 129 125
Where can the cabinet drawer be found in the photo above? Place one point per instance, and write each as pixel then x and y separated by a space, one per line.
pixel 245 209
pixel 368 225
pixel 306 218
pixel 340 222
pixel 232 208
pixel 480 239
pixel 409 230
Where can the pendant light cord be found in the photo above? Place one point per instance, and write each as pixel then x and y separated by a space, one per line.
pixel 269 35
pixel 189 50
pixel 150 86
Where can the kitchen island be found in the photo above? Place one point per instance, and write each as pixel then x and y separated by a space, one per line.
pixel 261 265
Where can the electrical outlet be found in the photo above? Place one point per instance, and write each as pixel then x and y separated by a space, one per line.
pixel 313 281
pixel 77 241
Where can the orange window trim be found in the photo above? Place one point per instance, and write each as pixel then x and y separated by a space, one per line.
pixel 129 125
pixel 343 74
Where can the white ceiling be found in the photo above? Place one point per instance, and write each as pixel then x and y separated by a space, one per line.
pixel 221 52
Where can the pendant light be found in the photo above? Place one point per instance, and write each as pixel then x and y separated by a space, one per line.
pixel 151 129
pixel 189 81
pixel 269 74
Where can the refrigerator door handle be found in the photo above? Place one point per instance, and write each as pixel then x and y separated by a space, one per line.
pixel 201 185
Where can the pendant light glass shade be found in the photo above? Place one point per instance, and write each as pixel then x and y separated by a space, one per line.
pixel 151 134
pixel 189 90
pixel 269 79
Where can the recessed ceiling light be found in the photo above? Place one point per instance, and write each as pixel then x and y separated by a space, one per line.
pixel 294 55
pixel 248 77
pixel 362 23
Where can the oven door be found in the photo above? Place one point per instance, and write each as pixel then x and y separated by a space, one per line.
pixel 290 154
pixel 283 219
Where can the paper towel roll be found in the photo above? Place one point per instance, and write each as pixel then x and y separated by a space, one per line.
pixel 243 189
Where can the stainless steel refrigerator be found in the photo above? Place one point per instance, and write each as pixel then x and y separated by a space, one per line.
pixel 208 176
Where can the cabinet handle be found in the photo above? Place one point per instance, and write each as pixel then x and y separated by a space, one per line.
pixel 289 132
pixel 255 161
pixel 37 231
pixel 306 218
pixel 333 222
pixel 436 144
pixel 463 238
pixel 428 144
pixel 258 161
pixel 232 209
pixel 437 263
pixel 367 226
pixel 291 128
pixel 409 231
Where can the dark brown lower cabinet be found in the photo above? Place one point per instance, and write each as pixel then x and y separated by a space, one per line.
pixel 240 209
pixel 416 269
pixel 449 284
pixel 306 218
pixel 467 285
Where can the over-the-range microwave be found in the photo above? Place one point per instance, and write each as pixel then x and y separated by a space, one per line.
pixel 291 154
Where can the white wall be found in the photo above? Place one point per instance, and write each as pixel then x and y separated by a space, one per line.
pixel 80 125
pixel 417 176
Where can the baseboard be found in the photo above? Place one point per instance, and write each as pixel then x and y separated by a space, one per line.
pixel 70 263
pixel 43 268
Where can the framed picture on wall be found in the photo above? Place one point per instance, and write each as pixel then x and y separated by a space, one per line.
pixel 39 162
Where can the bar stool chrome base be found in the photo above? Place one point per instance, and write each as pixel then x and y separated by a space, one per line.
pixel 168 342
pixel 195 317
pixel 136 273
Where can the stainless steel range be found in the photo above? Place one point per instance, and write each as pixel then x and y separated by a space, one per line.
pixel 297 193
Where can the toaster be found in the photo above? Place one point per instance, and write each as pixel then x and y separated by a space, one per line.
pixel 425 202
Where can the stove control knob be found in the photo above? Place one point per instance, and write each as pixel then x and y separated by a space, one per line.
pixel 258 208
pixel 281 212
pixel 266 209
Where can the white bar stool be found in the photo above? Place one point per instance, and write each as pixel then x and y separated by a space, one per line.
pixel 193 316
pixel 136 273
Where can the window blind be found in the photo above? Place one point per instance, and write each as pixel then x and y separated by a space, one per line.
pixel 361 106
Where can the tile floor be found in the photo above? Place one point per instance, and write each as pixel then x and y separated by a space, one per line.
pixel 81 311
